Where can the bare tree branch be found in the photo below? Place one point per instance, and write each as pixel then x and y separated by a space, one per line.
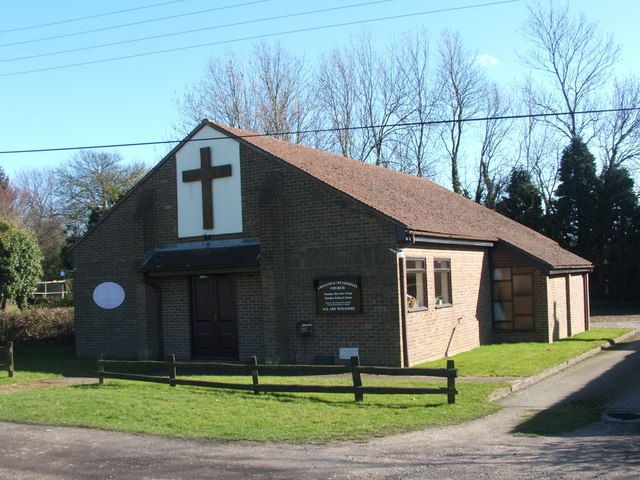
pixel 576 57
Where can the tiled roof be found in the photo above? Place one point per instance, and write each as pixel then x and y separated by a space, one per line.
pixel 416 203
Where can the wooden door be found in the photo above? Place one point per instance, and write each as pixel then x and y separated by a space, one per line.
pixel 214 316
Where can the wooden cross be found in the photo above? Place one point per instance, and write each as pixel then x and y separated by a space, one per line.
pixel 206 174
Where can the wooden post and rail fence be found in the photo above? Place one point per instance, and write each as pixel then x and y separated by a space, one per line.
pixel 256 370
pixel 7 353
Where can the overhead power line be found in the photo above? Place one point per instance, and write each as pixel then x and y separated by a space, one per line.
pixel 184 32
pixel 322 130
pixel 256 37
pixel 140 22
pixel 89 17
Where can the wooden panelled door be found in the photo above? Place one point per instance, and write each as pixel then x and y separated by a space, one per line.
pixel 214 319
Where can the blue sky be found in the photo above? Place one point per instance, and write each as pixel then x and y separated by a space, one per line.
pixel 133 99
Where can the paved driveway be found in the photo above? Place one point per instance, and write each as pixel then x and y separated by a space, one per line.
pixel 484 448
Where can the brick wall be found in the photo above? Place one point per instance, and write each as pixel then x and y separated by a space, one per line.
pixel 250 316
pixel 307 231
pixel 576 299
pixel 436 332
pixel 557 298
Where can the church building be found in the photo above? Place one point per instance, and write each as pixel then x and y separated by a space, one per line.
pixel 238 244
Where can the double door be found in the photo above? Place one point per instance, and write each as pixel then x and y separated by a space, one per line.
pixel 214 316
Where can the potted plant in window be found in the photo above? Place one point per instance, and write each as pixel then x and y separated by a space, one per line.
pixel 412 301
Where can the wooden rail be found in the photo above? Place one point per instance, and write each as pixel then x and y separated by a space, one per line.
pixel 8 355
pixel 255 370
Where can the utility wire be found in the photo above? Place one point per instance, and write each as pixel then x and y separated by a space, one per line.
pixel 70 20
pixel 215 27
pixel 140 22
pixel 324 130
pixel 255 37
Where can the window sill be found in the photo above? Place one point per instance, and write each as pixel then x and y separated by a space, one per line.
pixel 444 305
pixel 512 331
pixel 417 309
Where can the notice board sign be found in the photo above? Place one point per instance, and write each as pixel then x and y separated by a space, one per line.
pixel 338 295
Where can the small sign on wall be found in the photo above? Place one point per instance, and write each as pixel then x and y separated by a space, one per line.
pixel 108 295
pixel 338 295
pixel 347 353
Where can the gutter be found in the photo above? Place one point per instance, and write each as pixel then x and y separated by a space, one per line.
pixel 403 307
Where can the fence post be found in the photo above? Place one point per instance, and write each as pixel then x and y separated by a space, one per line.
pixel 100 370
pixel 253 365
pixel 357 379
pixel 10 367
pixel 451 383
pixel 171 364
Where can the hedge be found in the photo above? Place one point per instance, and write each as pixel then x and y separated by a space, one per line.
pixel 37 326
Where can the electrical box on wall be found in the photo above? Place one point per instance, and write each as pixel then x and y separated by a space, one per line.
pixel 304 329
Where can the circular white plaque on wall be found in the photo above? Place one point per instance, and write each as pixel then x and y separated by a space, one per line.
pixel 108 295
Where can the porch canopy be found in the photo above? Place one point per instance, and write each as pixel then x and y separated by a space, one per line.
pixel 219 256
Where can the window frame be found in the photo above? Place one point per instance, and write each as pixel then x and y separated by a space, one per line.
pixel 425 292
pixel 449 281
pixel 512 322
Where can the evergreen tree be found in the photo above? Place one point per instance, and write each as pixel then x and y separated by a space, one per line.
pixel 616 235
pixel 20 264
pixel 574 212
pixel 523 201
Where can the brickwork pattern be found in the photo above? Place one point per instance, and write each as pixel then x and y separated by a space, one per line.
pixel 577 307
pixel 307 231
pixel 557 298
pixel 250 316
pixel 436 332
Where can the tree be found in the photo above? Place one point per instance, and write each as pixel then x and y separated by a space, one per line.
pixel 523 201
pixel 616 236
pixel 269 93
pixel 20 264
pixel 463 87
pixel 337 100
pixel 539 149
pixel 90 183
pixel 619 131
pixel 39 213
pixel 416 141
pixel 382 99
pixel 576 199
pixel 494 133
pixel 224 93
pixel 576 57
pixel 8 198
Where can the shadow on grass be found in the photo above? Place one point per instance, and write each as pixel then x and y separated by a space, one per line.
pixel 283 397
pixel 587 404
pixel 53 360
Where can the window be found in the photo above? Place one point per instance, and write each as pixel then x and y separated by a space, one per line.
pixel 416 283
pixel 442 273
pixel 512 299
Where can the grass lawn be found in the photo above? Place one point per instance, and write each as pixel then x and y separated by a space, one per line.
pixel 526 358
pixel 194 412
